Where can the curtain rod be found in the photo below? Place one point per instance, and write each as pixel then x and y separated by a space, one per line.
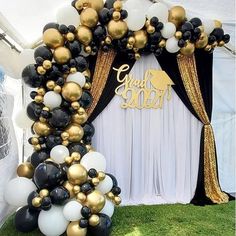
pixel 3 37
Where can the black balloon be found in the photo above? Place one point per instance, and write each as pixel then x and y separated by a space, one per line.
pixel 196 22
pixel 52 141
pixel 92 173
pixel 26 220
pixel 48 175
pixel 31 77
pixel 31 196
pixel 43 52
pixel 74 47
pixel 83 223
pixel 116 190
pixel 99 33
pixel 33 110
pixel 55 73
pixel 59 118
pixel 77 147
pixel 89 130
pixel 226 38
pixel 218 33
pixel 114 180
pixel 86 212
pixel 86 99
pixel 81 63
pixel 109 3
pixel 63 29
pixel 46 204
pixel 103 228
pixel 59 195
pixel 50 26
pixel 104 16
pixel 86 188
pixel 39 157
pixel 187 26
pixel 123 14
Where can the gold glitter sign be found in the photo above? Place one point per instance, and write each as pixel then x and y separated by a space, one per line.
pixel 147 93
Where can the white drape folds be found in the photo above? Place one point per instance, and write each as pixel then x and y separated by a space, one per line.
pixel 153 153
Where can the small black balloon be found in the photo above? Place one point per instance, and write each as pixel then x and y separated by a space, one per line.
pixel 48 175
pixel 86 212
pixel 59 195
pixel 187 26
pixel 86 188
pixel 30 198
pixel 218 33
pixel 52 141
pixel 50 26
pixel 158 52
pixel 114 180
pixel 33 110
pixel 92 173
pixel 99 32
pixel 211 39
pixel 43 52
pixel 154 21
pixel 181 43
pixel 59 118
pixel 123 14
pixel 103 228
pixel 39 61
pixel 77 147
pixel 46 204
pixel 60 81
pixel 26 220
pixel 33 94
pixel 226 38
pixel 109 3
pixel 187 35
pixel 155 37
pixel 89 129
pixel 104 16
pixel 159 26
pixel 81 63
pixel 71 28
pixel 63 29
pixel 39 156
pixel 196 22
pixel 86 99
pixel 74 47
pixel 116 190
pixel 31 77
pixel 83 223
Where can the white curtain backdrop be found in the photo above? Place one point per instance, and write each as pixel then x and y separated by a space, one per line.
pixel 153 153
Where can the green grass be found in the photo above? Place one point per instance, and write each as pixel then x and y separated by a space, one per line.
pixel 163 220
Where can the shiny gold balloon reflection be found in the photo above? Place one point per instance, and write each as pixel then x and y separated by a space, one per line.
pixel 69 187
pixel 53 38
pixel 25 170
pixel 95 201
pixel 42 129
pixel 188 49
pixel 117 29
pixel 94 220
pixel 77 174
pixel 75 132
pixel 71 92
pixel 74 229
pixel 203 41
pixel 140 39
pixel 177 15
pixel 84 35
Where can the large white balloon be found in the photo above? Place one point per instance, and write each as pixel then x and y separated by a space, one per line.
pixel 168 30
pixel 52 222
pixel 52 99
pixel 159 10
pixel 94 160
pixel 106 185
pixel 22 120
pixel 132 4
pixel 136 19
pixel 208 25
pixel 18 190
pixel 72 211
pixel 59 153
pixel 172 45
pixel 68 15
pixel 108 209
pixel 77 78
pixel 26 58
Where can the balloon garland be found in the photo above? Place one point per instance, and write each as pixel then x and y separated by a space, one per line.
pixel 63 185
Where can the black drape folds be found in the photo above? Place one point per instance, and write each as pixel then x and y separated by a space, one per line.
pixel 112 83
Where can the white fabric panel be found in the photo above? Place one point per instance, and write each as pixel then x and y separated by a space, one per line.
pixel 153 153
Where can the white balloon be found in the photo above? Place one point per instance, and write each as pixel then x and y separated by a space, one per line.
pixel 52 222
pixel 94 160
pixel 131 5
pixel 26 57
pixel 159 10
pixel 77 78
pixel 172 45
pixel 136 20
pixel 22 120
pixel 72 211
pixel 52 99
pixel 108 209
pixel 68 15
pixel 168 30
pixel 18 190
pixel 59 153
pixel 209 26
pixel 106 185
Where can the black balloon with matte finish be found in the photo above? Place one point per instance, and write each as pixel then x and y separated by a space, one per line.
pixel 59 118
pixel 196 22
pixel 86 99
pixel 104 16
pixel 31 196
pixel 99 33
pixel 74 47
pixel 43 52
pixel 59 195
pixel 52 141
pixel 89 130
pixel 51 25
pixel 39 156
pixel 31 77
pixel 77 147
pixel 103 228
pixel 33 110
pixel 86 212
pixel 109 3
pixel 218 33
pixel 81 63
pixel 26 220
pixel 48 175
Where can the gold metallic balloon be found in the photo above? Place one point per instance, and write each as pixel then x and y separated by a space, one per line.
pixel 71 91
pixel 89 17
pixel 62 55
pixel 69 187
pixel 117 200
pixel 177 15
pixel 81 197
pixel 140 39
pixel 25 170
pixel 178 35
pixel 117 29
pixel 84 35
pixel 44 193
pixel 37 201
pixel 95 201
pixel 188 49
pixel 94 220
pixel 79 119
pixel 53 38
pixel 74 229
pixel 218 24
pixel 96 4
pixel 77 174
pixel 42 129
pixel 203 41
pixel 75 132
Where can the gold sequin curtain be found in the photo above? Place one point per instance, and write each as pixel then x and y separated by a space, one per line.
pixel 188 71
pixel 102 68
